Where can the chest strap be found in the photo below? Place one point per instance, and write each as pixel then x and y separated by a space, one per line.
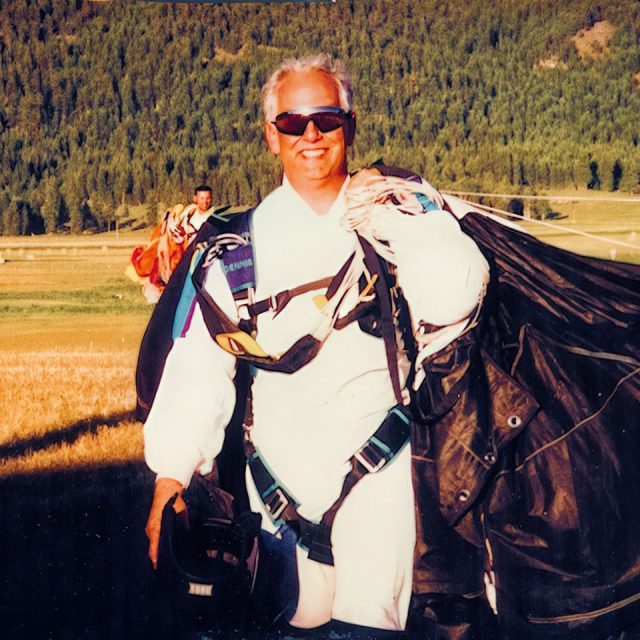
pixel 235 340
pixel 378 451
pixel 279 301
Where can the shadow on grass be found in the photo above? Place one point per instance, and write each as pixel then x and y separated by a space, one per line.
pixel 64 435
pixel 73 563
pixel 73 560
pixel 73 557
pixel 72 551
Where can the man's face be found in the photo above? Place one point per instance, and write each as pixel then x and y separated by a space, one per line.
pixel 313 156
pixel 202 200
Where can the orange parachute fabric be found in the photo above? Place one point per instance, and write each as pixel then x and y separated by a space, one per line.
pixel 152 264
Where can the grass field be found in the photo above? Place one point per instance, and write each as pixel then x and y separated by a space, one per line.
pixel 609 220
pixel 71 324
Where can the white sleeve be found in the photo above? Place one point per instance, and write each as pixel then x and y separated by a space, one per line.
pixel 194 402
pixel 442 274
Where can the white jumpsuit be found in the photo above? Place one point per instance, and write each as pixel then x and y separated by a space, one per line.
pixel 308 424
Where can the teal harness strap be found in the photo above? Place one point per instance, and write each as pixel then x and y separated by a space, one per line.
pixel 186 303
pixel 230 240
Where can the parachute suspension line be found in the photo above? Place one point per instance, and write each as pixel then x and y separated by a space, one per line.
pixel 555 197
pixel 553 225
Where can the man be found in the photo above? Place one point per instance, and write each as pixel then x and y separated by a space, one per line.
pixel 202 200
pixel 153 264
pixel 308 423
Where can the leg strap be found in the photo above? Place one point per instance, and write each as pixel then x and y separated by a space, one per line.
pixel 378 451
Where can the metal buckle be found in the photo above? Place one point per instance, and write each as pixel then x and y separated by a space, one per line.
pixel 277 506
pixel 371 459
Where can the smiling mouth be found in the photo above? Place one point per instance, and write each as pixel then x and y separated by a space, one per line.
pixel 312 153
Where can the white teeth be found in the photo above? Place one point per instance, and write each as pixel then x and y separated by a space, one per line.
pixel 312 153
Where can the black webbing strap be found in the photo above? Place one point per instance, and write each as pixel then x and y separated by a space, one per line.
pixel 217 322
pixel 361 310
pixel 387 322
pixel 379 449
pixel 278 302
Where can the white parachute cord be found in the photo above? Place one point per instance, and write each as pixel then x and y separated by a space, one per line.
pixel 372 212
pixel 369 207
pixel 552 225
pixel 554 197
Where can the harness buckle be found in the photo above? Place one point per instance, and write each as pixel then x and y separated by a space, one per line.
pixel 276 502
pixel 371 457
pixel 320 547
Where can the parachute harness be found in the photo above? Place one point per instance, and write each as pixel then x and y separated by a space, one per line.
pixel 380 303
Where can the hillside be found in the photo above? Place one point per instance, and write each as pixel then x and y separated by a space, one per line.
pixel 108 105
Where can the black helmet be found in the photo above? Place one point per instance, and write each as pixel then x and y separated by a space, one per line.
pixel 208 559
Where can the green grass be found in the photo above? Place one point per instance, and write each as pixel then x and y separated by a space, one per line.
pixel 51 277
pixel 113 296
pixel 619 221
pixel 44 281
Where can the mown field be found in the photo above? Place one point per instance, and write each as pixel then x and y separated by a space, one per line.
pixel 71 324
pixel 73 483
pixel 617 221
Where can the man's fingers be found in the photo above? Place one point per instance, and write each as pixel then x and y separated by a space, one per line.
pixel 153 533
pixel 165 489
pixel 154 541
pixel 180 505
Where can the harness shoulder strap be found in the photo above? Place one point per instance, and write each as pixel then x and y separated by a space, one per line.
pixel 171 313
pixel 394 320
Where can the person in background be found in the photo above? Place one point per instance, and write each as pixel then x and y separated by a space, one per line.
pixel 152 264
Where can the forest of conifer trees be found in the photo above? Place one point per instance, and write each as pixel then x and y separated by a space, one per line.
pixel 109 104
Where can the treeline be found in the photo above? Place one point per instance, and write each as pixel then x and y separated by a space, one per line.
pixel 109 104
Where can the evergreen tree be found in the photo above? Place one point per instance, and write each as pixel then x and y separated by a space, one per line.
pixel 51 206
pixel 14 219
pixel 148 99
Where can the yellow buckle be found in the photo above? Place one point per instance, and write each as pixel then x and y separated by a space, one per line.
pixel 320 301
pixel 365 292
pixel 240 343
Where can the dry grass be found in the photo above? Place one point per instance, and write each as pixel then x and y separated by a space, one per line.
pixel 67 408
pixel 105 446
pixel 613 220
pixel 594 42
pixel 67 332
pixel 60 388
pixel 71 326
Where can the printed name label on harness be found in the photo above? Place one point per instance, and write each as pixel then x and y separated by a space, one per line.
pixel 238 268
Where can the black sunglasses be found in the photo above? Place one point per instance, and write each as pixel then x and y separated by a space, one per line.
pixel 294 123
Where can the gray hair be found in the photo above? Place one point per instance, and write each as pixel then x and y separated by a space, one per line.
pixel 320 62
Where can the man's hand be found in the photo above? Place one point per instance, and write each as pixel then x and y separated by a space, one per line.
pixel 165 489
